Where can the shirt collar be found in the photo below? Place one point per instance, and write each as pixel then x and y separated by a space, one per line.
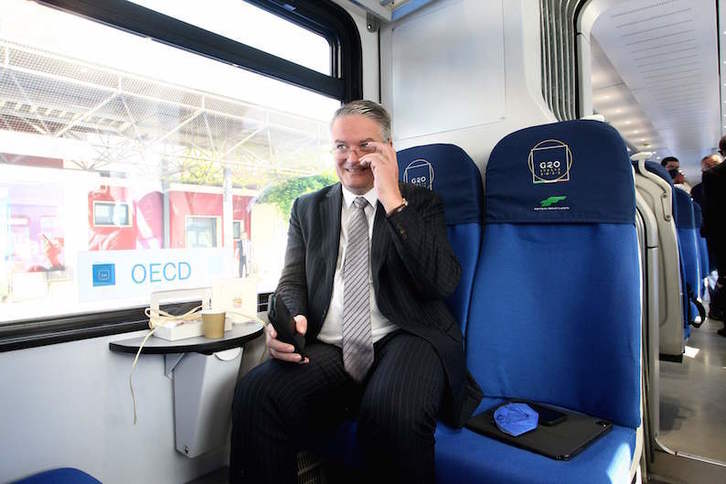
pixel 349 197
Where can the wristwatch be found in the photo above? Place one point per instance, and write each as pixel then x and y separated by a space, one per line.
pixel 404 204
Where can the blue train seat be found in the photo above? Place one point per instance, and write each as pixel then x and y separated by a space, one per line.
pixel 704 263
pixel 450 172
pixel 555 315
pixel 65 475
pixel 688 241
pixel 447 170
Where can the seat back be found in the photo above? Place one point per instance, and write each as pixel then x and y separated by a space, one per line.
pixel 63 475
pixel 703 262
pixel 688 242
pixel 555 313
pixel 450 172
pixel 656 188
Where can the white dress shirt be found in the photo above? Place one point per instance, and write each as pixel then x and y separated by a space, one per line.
pixel 332 330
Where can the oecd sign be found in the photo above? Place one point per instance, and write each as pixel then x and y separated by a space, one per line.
pixel 124 274
pixel 158 272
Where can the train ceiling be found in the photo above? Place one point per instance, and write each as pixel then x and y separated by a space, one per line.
pixel 656 78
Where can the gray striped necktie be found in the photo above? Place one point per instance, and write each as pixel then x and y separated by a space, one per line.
pixel 357 336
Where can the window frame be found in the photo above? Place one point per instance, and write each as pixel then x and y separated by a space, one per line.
pixel 345 84
pixel 320 16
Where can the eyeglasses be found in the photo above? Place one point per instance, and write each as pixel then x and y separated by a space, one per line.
pixel 342 150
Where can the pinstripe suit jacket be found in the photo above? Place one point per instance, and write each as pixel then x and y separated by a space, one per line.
pixel 413 269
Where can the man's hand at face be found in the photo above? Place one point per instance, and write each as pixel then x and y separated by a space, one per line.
pixel 384 166
pixel 284 351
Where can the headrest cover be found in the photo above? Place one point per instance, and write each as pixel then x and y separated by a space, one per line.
pixel 568 172
pixel 447 170
pixel 684 215
pixel 659 170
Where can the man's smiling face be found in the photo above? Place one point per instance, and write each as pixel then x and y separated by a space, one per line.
pixel 350 134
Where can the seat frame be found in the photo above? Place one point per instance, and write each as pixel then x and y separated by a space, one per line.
pixel 658 196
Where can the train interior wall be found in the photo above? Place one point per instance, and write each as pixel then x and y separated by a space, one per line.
pixel 470 85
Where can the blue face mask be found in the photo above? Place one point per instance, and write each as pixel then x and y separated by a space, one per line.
pixel 515 418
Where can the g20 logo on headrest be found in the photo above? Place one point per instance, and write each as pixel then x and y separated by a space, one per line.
pixel 419 172
pixel 550 162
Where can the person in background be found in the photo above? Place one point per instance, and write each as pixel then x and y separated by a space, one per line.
pixel 672 166
pixel 670 163
pixel 244 255
pixel 714 208
pixel 707 162
pixel 678 178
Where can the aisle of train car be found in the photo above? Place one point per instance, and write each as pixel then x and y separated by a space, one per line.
pixel 693 396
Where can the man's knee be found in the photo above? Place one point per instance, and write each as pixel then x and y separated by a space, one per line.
pixel 392 418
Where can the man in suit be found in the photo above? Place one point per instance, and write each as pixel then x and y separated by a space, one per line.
pixel 367 267
pixel 707 162
pixel 714 207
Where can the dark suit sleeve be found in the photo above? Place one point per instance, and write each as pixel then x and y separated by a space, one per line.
pixel 419 235
pixel 714 201
pixel 292 287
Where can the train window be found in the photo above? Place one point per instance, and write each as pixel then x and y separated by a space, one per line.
pixel 105 213
pixel 201 232
pixel 110 164
pixel 253 26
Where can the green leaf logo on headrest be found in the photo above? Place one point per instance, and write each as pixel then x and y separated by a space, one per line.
pixel 547 202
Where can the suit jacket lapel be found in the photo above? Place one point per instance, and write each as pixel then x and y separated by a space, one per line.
pixel 330 227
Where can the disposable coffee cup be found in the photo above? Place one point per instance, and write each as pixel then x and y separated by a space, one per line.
pixel 213 324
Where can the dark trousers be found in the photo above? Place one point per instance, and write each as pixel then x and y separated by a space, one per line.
pixel 278 406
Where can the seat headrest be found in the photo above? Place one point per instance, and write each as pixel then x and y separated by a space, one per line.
pixel 567 172
pixel 450 172
pixel 659 170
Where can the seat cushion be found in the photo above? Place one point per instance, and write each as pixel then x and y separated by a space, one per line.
pixel 488 460
pixel 606 460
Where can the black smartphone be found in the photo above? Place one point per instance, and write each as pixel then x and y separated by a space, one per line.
pixel 284 324
pixel 547 416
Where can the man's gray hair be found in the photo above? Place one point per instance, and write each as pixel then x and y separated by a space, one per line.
pixel 368 109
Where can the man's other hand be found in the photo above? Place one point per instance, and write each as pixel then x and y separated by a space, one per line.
pixel 285 351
